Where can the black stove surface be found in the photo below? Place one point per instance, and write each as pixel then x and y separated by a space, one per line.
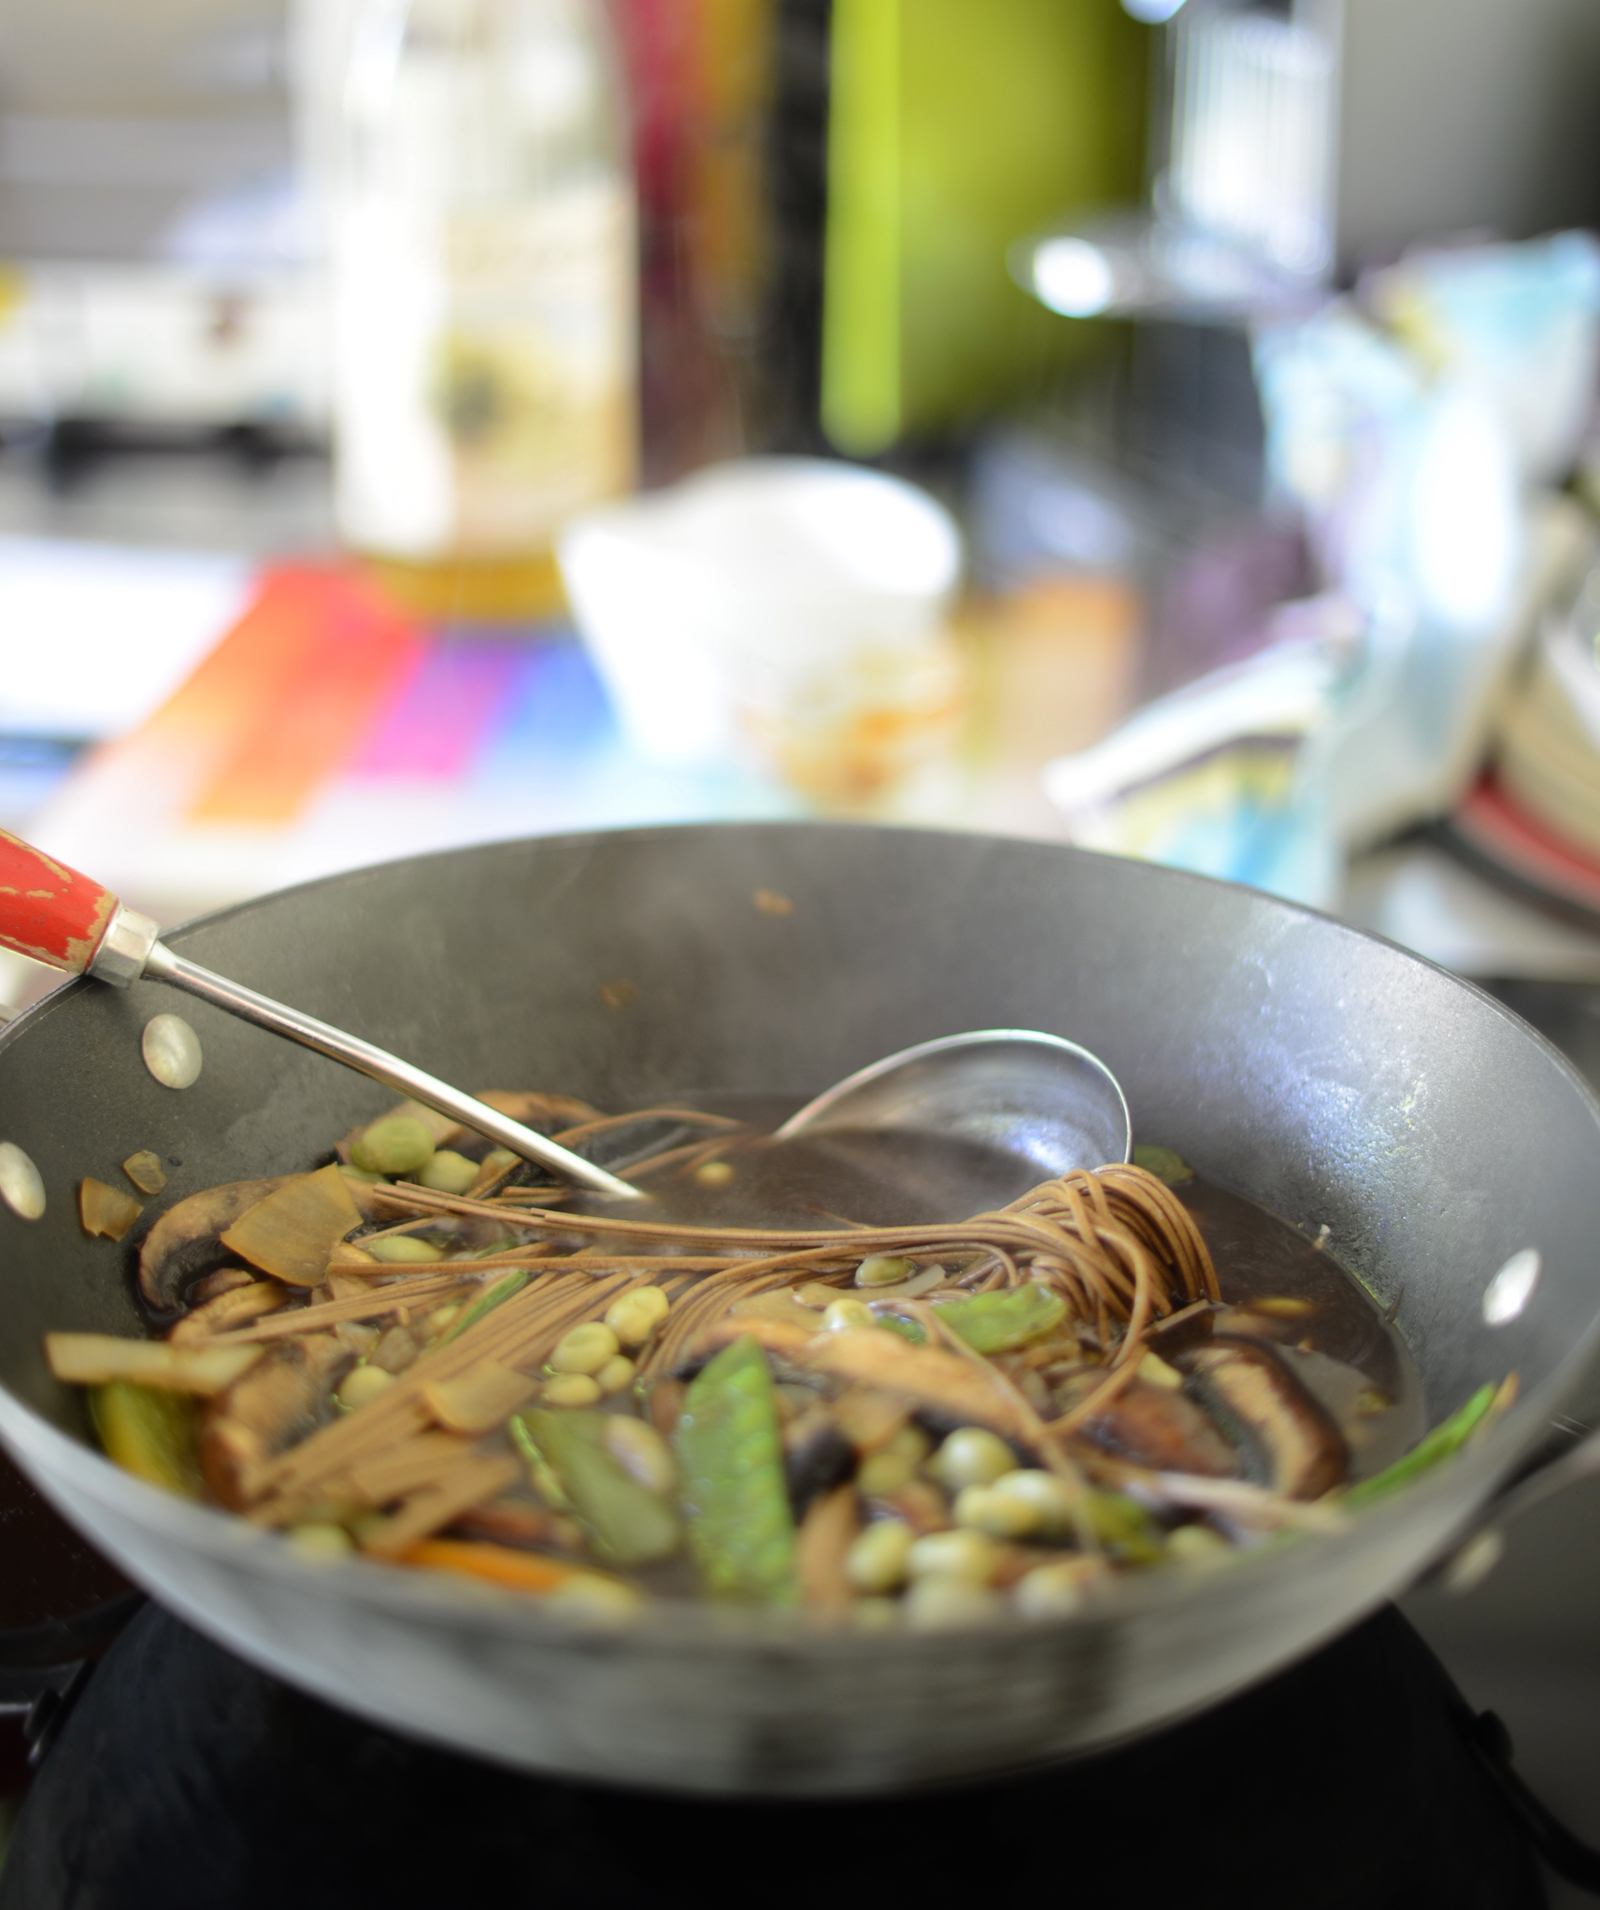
pixel 185 1779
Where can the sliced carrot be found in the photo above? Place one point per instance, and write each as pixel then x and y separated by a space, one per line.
pixel 500 1564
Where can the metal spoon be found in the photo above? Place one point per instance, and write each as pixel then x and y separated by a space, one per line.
pixel 1044 1100
pixel 58 916
pixel 1035 1096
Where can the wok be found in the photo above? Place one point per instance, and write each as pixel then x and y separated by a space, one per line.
pixel 1329 1075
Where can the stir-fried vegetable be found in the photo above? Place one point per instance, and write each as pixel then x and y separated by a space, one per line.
pixel 998 1322
pixel 731 1452
pixel 497 1295
pixel 423 1353
pixel 628 1524
pixel 1446 1439
pixel 105 1210
pixel 292 1232
pixel 150 1434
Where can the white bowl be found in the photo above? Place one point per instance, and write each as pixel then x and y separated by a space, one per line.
pixel 749 590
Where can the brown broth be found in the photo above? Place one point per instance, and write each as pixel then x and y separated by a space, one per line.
pixel 1341 1348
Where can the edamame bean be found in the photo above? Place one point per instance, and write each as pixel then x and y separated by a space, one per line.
pixel 641 1452
pixel 961 1553
pixel 585 1349
pixel 1198 1546
pixel 1050 1498
pixel 883 1472
pixel 635 1315
pixel 363 1383
pixel 447 1172
pixel 588 1595
pixel 844 1316
pixel 570 1389
pixel 714 1173
pixel 883 1270
pixel 403 1249
pixel 910 1441
pixel 616 1374
pixel 988 1509
pixel 320 1539
pixel 937 1604
pixel 398 1144
pixel 1056 1590
pixel 972 1456
pixel 876 1561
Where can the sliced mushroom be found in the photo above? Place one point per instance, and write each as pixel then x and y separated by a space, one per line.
pixel 868 1418
pixel 936 1381
pixel 395 1351
pixel 1156 1427
pixel 511 1521
pixel 922 1506
pixel 186 1241
pixel 1294 1445
pixel 234 1306
pixel 224 1280
pixel 283 1399
pixel 817 1457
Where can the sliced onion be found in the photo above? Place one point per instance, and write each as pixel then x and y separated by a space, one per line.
pixel 145 1171
pixel 106 1210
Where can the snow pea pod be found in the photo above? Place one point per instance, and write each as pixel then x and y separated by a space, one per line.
pixel 626 1524
pixel 1009 1317
pixel 730 1449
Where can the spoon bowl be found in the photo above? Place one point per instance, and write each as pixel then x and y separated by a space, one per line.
pixel 1041 1099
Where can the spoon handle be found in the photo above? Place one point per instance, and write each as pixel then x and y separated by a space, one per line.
pixel 58 916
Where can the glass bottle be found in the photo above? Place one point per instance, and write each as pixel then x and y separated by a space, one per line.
pixel 484 310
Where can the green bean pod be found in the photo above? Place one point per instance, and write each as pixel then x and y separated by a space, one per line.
pixel 730 1449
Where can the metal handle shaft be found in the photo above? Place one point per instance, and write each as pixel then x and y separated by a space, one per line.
pixel 163 965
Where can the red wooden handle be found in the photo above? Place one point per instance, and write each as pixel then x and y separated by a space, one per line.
pixel 49 911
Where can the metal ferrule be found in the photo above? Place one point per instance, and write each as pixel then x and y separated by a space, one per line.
pixel 124 948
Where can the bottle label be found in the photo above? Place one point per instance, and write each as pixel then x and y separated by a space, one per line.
pixel 484 372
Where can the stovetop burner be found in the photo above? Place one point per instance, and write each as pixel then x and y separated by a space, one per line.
pixel 188 1780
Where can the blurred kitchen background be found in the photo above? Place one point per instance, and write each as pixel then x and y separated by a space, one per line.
pixel 1165 425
